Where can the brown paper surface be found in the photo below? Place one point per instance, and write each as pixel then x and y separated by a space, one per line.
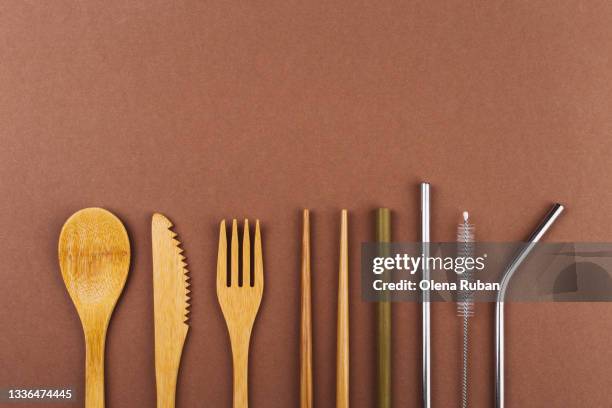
pixel 210 110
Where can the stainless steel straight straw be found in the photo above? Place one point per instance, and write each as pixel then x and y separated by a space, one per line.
pixel 425 218
pixel 539 232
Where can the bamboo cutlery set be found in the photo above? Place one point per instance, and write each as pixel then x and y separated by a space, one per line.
pixel 94 258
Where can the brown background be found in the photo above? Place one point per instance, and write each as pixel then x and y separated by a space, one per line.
pixel 212 109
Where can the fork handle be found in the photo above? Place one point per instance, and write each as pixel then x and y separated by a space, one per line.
pixel 240 357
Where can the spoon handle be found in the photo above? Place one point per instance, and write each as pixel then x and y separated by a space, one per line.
pixel 94 369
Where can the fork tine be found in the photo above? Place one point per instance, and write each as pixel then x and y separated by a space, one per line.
pixel 258 259
pixel 234 255
pixel 246 255
pixel 222 256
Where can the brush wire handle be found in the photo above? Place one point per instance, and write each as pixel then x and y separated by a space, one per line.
pixel 94 368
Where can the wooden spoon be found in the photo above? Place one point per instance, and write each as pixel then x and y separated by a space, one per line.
pixel 94 256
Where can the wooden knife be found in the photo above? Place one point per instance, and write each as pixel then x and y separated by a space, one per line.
pixel 171 302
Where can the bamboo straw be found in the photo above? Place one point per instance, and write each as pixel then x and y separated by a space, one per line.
pixel 383 312
pixel 306 319
pixel 342 356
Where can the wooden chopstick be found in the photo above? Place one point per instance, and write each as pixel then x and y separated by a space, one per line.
pixel 383 313
pixel 306 319
pixel 342 352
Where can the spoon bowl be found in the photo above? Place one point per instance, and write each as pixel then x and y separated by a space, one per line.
pixel 94 258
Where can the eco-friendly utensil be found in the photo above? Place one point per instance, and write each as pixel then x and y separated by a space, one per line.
pixel 306 318
pixel 342 352
pixel 383 312
pixel 465 300
pixel 523 253
pixel 94 257
pixel 171 302
pixel 240 297
pixel 426 306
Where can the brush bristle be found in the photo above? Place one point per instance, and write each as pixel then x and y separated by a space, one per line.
pixel 465 249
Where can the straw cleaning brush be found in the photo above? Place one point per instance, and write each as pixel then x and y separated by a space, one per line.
pixel 465 298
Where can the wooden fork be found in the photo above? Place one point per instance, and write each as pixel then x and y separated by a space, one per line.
pixel 240 300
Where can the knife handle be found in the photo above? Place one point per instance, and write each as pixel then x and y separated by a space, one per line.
pixel 167 362
pixel 166 391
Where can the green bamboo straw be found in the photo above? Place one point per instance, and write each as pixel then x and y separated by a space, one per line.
pixel 383 312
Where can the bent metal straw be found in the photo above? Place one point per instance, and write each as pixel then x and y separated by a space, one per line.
pixel 539 232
